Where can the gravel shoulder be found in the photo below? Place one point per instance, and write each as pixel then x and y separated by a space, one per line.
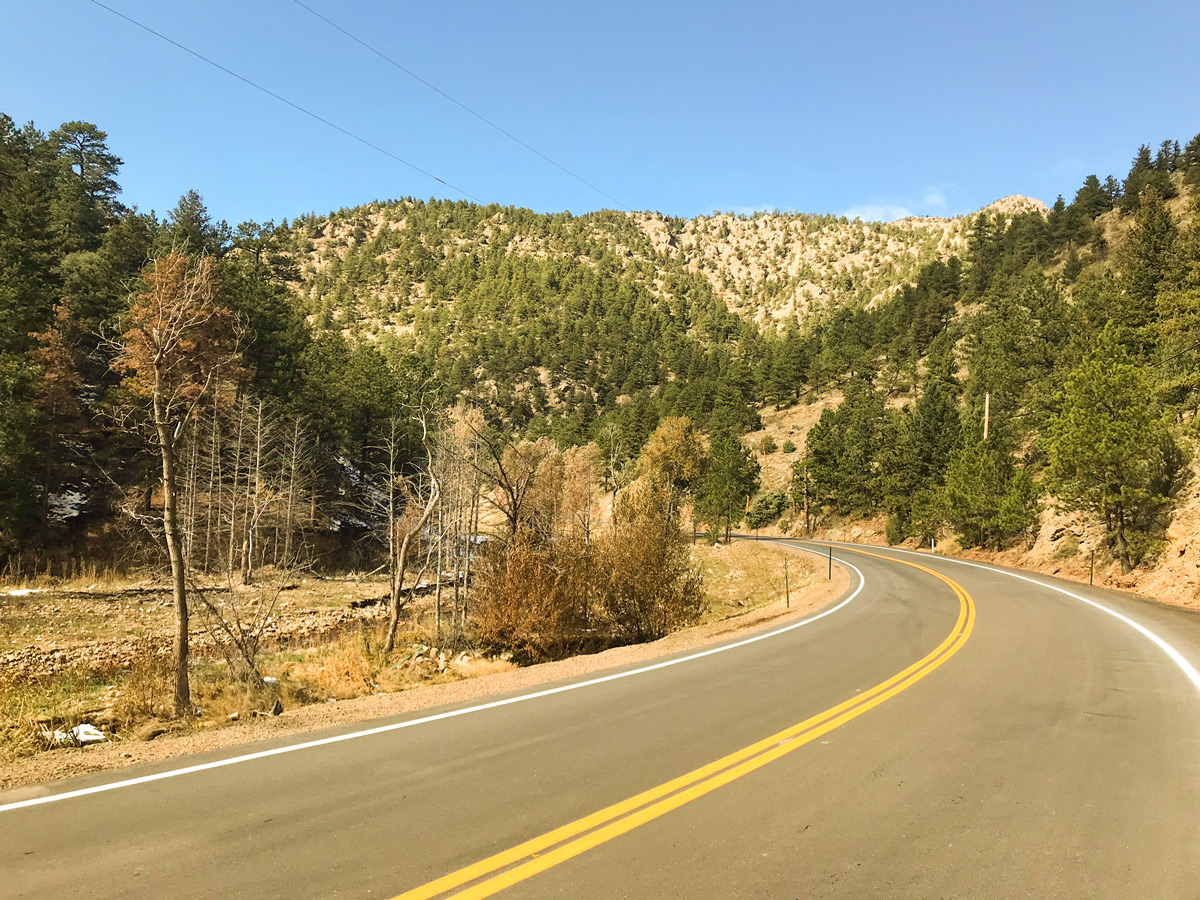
pixel 55 765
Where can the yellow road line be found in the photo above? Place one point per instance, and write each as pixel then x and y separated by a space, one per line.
pixel 583 834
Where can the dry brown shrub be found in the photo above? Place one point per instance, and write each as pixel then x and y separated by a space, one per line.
pixel 650 586
pixel 146 693
pixel 550 599
pixel 534 599
pixel 342 671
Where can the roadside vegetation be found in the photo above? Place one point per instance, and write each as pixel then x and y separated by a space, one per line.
pixel 518 424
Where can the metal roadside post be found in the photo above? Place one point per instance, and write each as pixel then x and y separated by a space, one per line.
pixel 787 591
pixel 831 563
pixel 1092 569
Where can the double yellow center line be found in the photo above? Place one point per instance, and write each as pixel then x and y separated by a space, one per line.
pixel 494 874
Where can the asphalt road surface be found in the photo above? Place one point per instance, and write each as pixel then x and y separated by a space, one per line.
pixel 944 731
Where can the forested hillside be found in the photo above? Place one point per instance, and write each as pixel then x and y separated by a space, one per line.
pixel 309 345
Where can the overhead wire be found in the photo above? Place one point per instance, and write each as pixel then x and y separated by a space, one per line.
pixel 296 106
pixel 460 104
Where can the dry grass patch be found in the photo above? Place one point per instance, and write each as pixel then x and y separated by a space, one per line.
pixel 29 710
pixel 745 575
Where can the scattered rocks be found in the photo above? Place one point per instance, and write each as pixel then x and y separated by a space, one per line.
pixel 104 658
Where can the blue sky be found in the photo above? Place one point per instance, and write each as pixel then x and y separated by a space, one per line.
pixel 877 109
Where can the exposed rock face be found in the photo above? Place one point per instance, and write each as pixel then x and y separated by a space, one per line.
pixel 1016 204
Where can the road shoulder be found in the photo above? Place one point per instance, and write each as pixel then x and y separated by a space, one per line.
pixel 56 765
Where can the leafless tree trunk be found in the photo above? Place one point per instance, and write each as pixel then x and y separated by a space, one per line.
pixel 407 540
pixel 437 591
pixel 166 445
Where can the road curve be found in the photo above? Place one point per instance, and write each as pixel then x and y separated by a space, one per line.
pixel 950 731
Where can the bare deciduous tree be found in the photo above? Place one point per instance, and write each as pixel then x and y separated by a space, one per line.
pixel 404 529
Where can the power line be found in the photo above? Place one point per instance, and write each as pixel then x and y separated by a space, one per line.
pixel 460 104
pixel 285 100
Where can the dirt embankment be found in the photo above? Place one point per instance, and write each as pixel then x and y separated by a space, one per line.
pixel 747 592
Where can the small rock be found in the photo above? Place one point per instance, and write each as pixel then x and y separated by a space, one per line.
pixel 150 730
pixel 233 716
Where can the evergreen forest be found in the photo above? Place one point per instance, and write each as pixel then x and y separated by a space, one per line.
pixel 983 367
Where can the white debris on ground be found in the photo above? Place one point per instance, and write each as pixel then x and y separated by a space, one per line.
pixel 24 592
pixel 80 735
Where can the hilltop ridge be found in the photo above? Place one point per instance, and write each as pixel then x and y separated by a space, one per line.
pixel 769 267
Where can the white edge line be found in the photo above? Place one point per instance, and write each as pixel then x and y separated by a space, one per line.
pixel 1178 658
pixel 437 717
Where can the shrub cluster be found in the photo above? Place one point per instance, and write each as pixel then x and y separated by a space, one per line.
pixel 634 581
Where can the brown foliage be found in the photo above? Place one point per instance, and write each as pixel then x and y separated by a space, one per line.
pixel 634 583
pixel 650 586
pixel 178 333
pixel 57 392
pixel 534 599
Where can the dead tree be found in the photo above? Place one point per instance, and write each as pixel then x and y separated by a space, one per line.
pixel 178 336
pixel 405 530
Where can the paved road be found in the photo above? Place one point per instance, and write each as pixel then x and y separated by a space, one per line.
pixel 1009 742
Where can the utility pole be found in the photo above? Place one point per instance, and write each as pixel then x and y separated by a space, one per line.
pixel 987 410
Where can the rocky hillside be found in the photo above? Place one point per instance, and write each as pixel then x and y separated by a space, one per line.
pixel 368 267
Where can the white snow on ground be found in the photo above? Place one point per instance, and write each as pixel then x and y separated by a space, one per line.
pixel 66 505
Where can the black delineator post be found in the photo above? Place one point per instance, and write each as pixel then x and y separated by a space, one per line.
pixel 787 591
pixel 1092 570
pixel 831 563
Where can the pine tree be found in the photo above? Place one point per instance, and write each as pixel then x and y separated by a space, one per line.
pixel 1178 326
pixel 987 498
pixel 1109 450
pixel 731 478
pixel 1144 261
pixel 1092 199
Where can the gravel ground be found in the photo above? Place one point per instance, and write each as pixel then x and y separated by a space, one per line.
pixel 55 765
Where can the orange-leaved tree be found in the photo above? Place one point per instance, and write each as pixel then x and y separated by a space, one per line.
pixel 179 335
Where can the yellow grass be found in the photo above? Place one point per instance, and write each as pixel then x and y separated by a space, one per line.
pixel 746 575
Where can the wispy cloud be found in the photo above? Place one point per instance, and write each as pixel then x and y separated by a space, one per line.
pixel 929 201
pixel 877 212
pixel 934 199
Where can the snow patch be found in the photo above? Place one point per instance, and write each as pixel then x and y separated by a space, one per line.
pixel 66 505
